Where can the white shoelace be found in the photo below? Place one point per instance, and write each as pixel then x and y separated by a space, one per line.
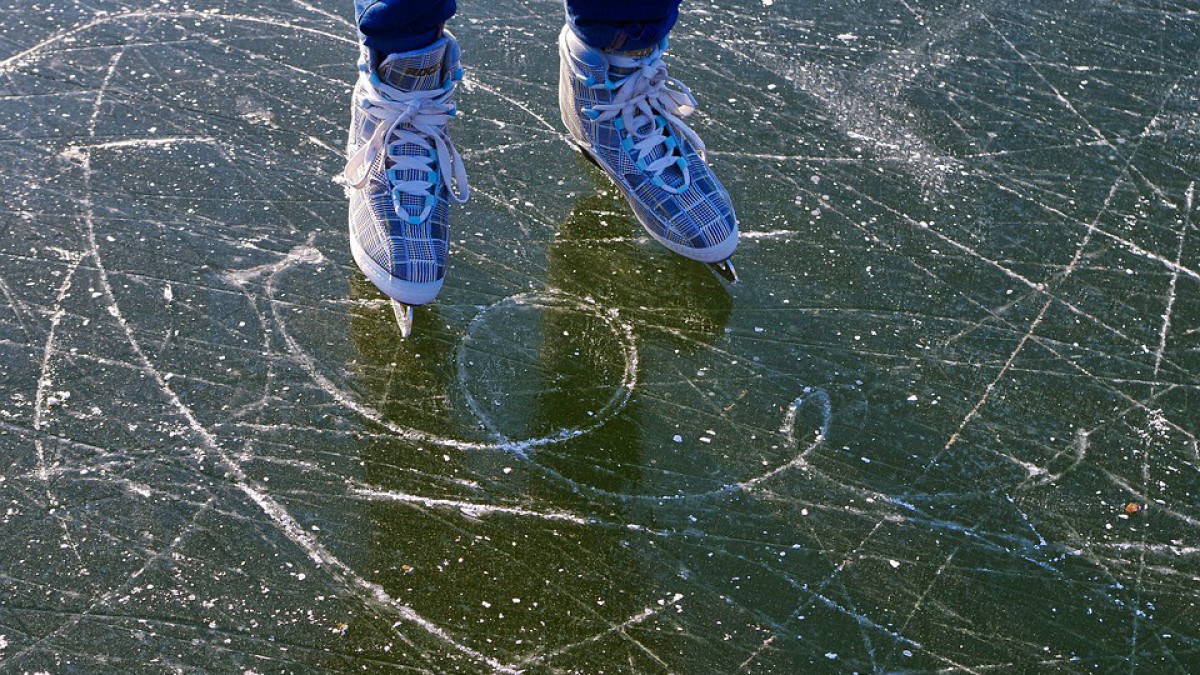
pixel 403 117
pixel 644 97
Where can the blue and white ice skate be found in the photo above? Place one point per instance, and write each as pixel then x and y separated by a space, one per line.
pixel 403 172
pixel 625 114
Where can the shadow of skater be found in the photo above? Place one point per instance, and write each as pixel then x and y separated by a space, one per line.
pixel 601 252
pixel 407 380
pixel 533 370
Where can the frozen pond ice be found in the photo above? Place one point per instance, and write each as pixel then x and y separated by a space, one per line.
pixel 946 423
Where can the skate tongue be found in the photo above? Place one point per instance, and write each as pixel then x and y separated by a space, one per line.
pixel 416 71
pixel 633 55
pixel 422 70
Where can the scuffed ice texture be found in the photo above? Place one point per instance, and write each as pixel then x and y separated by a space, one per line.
pixel 968 336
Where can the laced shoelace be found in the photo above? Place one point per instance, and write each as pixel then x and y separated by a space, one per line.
pixel 643 98
pixel 403 117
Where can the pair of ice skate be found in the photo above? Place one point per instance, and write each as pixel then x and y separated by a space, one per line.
pixel 621 109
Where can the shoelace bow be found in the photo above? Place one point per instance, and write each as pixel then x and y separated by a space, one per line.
pixel 643 96
pixel 404 117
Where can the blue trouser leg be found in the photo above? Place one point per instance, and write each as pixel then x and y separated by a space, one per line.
pixel 393 26
pixel 623 25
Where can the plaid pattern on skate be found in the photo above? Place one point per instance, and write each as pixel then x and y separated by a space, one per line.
pixel 415 253
pixel 699 217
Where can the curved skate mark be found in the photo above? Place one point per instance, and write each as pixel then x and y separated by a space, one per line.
pixel 306 254
pixel 210 446
pixel 553 299
pixel 279 515
pixel 34 52
pixel 521 447
pixel 1039 476
pixel 787 429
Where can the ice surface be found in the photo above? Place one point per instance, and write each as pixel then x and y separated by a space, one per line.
pixel 967 339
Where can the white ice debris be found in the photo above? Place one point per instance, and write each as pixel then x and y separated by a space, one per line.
pixel 1157 425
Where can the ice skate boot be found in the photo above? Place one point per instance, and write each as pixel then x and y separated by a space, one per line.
pixel 403 172
pixel 625 114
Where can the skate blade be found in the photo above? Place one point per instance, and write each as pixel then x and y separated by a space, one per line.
pixel 725 270
pixel 404 317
